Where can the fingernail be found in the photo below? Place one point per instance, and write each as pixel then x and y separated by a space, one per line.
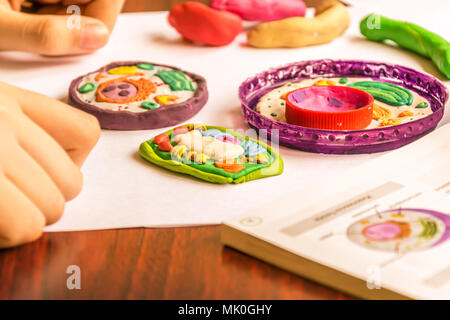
pixel 93 36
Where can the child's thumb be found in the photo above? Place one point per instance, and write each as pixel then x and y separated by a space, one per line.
pixel 51 34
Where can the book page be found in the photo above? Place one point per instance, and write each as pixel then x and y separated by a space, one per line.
pixel 386 222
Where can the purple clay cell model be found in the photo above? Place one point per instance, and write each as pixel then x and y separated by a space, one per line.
pixel 350 141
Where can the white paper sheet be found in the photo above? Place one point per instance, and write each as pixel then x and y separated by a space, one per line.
pixel 121 190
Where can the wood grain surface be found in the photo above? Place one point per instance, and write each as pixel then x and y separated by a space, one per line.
pixel 166 263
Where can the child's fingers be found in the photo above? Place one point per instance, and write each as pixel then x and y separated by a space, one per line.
pixel 34 183
pixel 104 10
pixel 51 34
pixel 48 154
pixel 76 131
pixel 70 2
pixel 47 1
pixel 13 4
pixel 21 221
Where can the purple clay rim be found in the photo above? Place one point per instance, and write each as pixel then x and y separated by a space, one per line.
pixel 166 116
pixel 349 141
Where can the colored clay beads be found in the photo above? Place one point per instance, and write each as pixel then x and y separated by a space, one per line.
pixel 145 66
pixel 149 105
pixel 385 92
pixel 422 105
pixel 87 87
pixel 200 23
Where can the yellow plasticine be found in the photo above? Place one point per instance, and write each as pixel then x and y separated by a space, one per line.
pixel 123 70
pixel 191 155
pixel 330 21
pixel 200 127
pixel 324 83
pixel 164 100
pixel 405 113
pixel 178 151
pixel 262 158
pixel 380 113
pixel 188 154
pixel 390 122
pixel 201 158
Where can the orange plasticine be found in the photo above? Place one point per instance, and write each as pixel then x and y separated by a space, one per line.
pixel 230 167
pixel 144 89
pixel 380 113
pixel 99 76
pixel 390 122
pixel 406 113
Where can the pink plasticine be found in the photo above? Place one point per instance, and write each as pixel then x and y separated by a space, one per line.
pixel 262 10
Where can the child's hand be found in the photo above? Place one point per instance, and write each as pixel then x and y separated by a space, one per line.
pixel 43 142
pixel 54 31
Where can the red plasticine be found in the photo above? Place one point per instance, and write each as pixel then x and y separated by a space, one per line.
pixel 161 137
pixel 165 146
pixel 199 23
pixel 180 130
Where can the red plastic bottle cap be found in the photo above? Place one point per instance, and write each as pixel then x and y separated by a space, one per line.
pixel 329 107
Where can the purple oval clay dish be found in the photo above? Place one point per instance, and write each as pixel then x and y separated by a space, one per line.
pixel 344 141
pixel 139 95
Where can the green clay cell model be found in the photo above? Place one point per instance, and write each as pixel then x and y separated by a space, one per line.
pixel 213 154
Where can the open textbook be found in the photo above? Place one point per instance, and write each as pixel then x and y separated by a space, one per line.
pixel 379 231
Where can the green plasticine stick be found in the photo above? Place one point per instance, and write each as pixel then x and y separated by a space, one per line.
pixel 409 36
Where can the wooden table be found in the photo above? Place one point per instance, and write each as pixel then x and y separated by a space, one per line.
pixel 167 263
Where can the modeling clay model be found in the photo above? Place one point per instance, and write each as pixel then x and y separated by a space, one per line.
pixel 396 120
pixel 214 154
pixel 200 23
pixel 393 104
pixel 409 36
pixel 262 10
pixel 135 95
pixel 331 20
